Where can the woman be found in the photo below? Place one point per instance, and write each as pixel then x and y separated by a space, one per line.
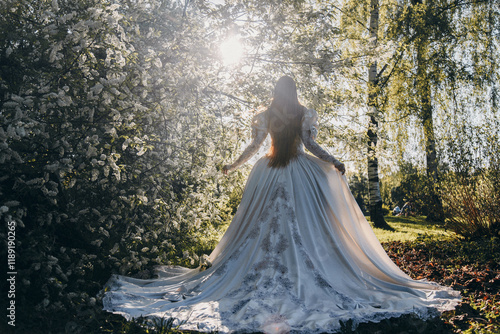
pixel 298 256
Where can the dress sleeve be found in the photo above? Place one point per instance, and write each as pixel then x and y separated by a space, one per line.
pixel 308 136
pixel 259 134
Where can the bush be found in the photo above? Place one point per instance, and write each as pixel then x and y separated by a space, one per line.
pixel 413 186
pixel 108 159
pixel 472 203
pixel 471 189
pixel 358 183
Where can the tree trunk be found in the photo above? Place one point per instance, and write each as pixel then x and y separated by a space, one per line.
pixel 376 214
pixel 435 208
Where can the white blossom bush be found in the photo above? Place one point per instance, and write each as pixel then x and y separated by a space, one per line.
pixel 109 149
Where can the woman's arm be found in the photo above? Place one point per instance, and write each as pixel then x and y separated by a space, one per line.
pixel 247 153
pixel 259 134
pixel 307 135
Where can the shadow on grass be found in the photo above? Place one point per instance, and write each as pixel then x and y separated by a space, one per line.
pixel 419 220
pixel 408 229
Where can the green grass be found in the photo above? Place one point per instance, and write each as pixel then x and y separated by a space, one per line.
pixel 410 229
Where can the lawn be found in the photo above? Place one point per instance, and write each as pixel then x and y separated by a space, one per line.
pixel 410 229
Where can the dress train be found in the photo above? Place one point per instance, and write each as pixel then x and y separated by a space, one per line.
pixel 299 256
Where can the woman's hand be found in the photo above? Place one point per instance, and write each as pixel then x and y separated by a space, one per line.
pixel 226 169
pixel 340 166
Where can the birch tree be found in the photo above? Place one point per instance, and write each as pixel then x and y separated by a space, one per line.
pixel 376 214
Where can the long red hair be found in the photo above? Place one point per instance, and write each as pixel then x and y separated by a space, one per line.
pixel 284 122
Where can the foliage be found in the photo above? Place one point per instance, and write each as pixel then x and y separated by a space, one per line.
pixel 472 203
pixel 358 184
pixel 471 188
pixel 435 70
pixel 408 184
pixel 108 148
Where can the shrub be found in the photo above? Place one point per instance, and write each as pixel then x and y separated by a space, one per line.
pixel 358 183
pixel 108 159
pixel 413 186
pixel 471 189
pixel 472 203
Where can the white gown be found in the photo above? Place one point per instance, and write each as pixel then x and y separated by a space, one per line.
pixel 299 257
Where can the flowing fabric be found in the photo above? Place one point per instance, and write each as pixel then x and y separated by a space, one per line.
pixel 299 256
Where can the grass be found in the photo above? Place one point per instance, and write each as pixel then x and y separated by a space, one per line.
pixel 410 229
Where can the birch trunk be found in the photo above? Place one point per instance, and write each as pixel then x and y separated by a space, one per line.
pixel 376 214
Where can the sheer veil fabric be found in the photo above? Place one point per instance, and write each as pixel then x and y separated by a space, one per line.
pixel 298 257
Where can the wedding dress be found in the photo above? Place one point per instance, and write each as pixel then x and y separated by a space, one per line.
pixel 299 257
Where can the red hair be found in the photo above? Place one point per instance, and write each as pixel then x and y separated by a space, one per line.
pixel 284 122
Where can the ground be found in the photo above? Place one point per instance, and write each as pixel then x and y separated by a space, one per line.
pixel 422 250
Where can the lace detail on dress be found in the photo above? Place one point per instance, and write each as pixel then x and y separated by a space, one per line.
pixel 259 134
pixel 269 279
pixel 308 136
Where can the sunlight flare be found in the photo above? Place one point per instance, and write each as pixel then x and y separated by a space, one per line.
pixel 231 51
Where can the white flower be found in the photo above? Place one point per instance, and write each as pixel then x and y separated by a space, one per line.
pixel 95 174
pixel 54 53
pixel 115 248
pixel 10 104
pixel 141 151
pixel 96 243
pixel 97 89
